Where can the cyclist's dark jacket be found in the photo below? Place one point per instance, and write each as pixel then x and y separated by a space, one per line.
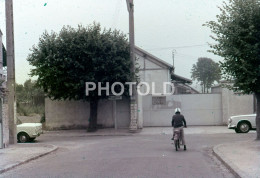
pixel 178 120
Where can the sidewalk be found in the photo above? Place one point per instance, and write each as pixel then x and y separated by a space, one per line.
pixel 242 158
pixel 18 154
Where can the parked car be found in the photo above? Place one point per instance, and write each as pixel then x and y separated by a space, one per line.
pixel 28 131
pixel 242 123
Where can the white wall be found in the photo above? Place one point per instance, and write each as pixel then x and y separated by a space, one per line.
pixel 198 109
pixel 140 112
pixel 236 104
pixel 75 114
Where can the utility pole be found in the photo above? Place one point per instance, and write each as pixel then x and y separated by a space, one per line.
pixel 173 57
pixel 1 114
pixel 173 70
pixel 133 105
pixel 10 70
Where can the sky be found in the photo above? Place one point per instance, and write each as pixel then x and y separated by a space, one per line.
pixel 161 26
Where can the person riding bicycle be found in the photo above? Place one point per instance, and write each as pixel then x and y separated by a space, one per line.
pixel 178 121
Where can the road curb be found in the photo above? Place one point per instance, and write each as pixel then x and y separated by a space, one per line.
pixel 229 165
pixel 104 135
pixel 96 135
pixel 29 159
pixel 91 134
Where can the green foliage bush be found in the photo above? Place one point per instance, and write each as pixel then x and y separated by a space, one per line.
pixel 30 99
pixel 24 110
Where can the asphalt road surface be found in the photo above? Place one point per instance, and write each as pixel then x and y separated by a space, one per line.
pixel 139 156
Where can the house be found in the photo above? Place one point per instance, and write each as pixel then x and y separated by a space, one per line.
pixel 182 85
pixel 153 69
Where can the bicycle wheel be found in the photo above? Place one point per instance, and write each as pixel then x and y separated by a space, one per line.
pixel 176 144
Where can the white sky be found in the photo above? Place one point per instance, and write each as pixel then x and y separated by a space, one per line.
pixel 160 26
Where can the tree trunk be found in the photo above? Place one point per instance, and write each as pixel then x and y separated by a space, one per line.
pixel 257 116
pixel 92 127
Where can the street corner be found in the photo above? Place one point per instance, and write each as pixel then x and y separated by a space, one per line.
pixel 241 158
pixel 18 154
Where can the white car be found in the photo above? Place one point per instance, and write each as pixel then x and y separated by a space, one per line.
pixel 28 131
pixel 242 123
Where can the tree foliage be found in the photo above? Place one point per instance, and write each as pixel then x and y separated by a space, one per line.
pixel 29 98
pixel 29 93
pixel 206 72
pixel 4 55
pixel 237 33
pixel 64 61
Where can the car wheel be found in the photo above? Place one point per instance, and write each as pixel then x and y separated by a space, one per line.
pixel 23 137
pixel 32 139
pixel 237 130
pixel 244 127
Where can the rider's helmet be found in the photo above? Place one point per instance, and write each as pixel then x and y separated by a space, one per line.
pixel 177 110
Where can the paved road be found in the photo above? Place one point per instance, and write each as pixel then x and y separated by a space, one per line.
pixel 142 156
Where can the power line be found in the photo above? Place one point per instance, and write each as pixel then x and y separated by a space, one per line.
pixel 185 55
pixel 178 47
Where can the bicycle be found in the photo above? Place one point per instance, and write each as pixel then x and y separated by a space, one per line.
pixel 176 138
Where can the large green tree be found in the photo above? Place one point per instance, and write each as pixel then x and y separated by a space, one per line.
pixel 206 72
pixel 237 33
pixel 64 61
